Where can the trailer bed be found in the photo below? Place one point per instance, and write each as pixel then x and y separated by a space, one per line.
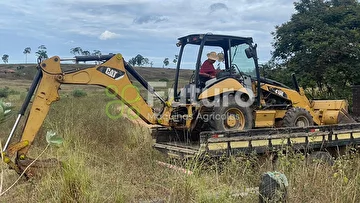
pixel 220 143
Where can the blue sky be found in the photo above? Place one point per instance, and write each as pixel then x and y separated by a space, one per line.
pixel 131 27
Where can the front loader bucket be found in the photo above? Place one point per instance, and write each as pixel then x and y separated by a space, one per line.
pixel 333 111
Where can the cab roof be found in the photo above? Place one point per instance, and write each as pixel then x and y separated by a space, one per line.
pixel 215 40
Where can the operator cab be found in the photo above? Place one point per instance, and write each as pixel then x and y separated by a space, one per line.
pixel 239 61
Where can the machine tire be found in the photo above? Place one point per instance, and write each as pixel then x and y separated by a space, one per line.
pixel 230 122
pixel 297 117
pixel 320 157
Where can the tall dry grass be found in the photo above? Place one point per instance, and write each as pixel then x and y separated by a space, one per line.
pixel 107 160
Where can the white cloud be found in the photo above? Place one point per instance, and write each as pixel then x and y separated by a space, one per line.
pixel 108 35
pixel 141 25
pixel 69 42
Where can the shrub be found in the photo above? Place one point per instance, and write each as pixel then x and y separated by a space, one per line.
pixel 79 93
pixel 4 92
pixel 164 80
pixel 20 67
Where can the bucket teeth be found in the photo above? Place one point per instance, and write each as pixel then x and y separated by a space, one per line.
pixel 344 117
pixel 34 168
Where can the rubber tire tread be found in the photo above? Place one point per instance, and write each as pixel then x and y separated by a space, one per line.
pixel 292 114
pixel 217 125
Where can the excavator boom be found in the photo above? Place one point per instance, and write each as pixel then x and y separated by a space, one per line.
pixel 112 74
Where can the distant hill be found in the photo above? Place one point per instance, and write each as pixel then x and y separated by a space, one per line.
pixel 27 72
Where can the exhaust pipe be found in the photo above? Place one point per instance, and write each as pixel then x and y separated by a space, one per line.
pixel 356 101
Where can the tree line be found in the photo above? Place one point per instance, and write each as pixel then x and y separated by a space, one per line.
pixel 41 53
pixel 80 51
pixel 138 60
pixel 166 61
pixel 321 45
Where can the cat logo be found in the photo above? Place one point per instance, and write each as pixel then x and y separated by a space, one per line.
pixel 111 72
pixel 278 92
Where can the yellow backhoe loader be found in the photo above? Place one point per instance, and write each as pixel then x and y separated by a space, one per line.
pixel 237 111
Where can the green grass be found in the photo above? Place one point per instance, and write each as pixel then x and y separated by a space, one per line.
pixel 79 93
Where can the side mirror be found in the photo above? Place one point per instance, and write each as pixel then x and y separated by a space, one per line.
pixel 248 53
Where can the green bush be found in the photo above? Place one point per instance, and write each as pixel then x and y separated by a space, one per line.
pixel 164 80
pixel 79 93
pixel 4 92
pixel 5 111
pixel 20 67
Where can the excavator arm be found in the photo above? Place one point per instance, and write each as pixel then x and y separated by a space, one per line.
pixel 112 74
